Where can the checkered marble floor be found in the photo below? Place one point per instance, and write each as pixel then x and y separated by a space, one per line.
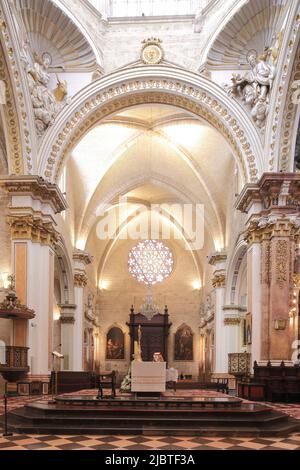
pixel 104 442
pixel 128 443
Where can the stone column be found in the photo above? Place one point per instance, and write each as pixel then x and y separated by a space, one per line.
pixel 218 260
pixel 81 260
pixel 67 320
pixel 273 226
pixel 233 333
pixel 34 203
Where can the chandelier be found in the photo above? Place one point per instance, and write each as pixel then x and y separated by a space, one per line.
pixel 149 309
pixel 150 262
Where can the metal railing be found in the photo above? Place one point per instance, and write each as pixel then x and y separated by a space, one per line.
pixel 126 8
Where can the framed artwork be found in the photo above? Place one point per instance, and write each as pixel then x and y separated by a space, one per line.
pixel 249 328
pixel 183 347
pixel 115 344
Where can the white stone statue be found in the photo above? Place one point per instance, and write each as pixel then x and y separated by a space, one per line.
pixel 90 301
pixel 46 103
pixel 254 87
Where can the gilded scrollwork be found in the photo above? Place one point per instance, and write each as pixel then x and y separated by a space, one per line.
pixel 281 262
pixel 21 147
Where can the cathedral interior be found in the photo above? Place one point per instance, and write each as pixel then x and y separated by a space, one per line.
pixel 149 220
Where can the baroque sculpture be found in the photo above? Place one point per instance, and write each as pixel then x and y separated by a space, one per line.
pixel 254 88
pixel 46 103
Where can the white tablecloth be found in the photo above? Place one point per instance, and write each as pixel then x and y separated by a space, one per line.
pixel 172 375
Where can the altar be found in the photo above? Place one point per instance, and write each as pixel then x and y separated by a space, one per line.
pixel 149 377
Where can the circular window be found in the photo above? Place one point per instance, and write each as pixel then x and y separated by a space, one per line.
pixel 150 262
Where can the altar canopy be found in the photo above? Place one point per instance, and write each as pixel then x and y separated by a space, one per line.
pixel 154 337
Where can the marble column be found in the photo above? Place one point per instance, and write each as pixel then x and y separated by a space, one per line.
pixel 81 260
pixel 272 234
pixel 67 320
pixel 218 260
pixel 34 204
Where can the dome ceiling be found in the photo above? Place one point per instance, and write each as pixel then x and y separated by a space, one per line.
pixel 50 30
pixel 255 26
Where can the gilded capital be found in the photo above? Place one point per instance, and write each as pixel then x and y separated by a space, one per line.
pixel 80 279
pixel 218 280
pixel 33 227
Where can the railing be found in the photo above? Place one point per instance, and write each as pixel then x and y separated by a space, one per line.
pixel 13 357
pixel 125 8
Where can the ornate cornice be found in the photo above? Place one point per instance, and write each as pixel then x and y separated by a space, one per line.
pixel 37 188
pixel 218 257
pixel 152 84
pixel 80 279
pixel 273 190
pixel 82 256
pixel 33 227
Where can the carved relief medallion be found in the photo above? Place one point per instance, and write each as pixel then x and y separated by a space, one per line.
pixel 152 52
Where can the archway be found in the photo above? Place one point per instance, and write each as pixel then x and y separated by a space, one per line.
pixel 152 84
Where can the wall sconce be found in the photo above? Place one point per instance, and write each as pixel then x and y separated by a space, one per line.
pixel 56 316
pixel 280 324
pixel 4 282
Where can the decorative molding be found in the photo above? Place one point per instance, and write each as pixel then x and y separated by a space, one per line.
pixel 273 190
pixel 65 320
pixel 219 280
pixel 36 187
pixel 80 279
pixel 281 262
pixel 232 321
pixel 216 258
pixel 33 227
pixel 263 228
pixel 280 106
pixel 82 256
pixel 167 85
pixel 286 152
pixel 152 52
pixel 11 120
pixel 21 134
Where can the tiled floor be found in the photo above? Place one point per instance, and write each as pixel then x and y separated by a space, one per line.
pixel 91 442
